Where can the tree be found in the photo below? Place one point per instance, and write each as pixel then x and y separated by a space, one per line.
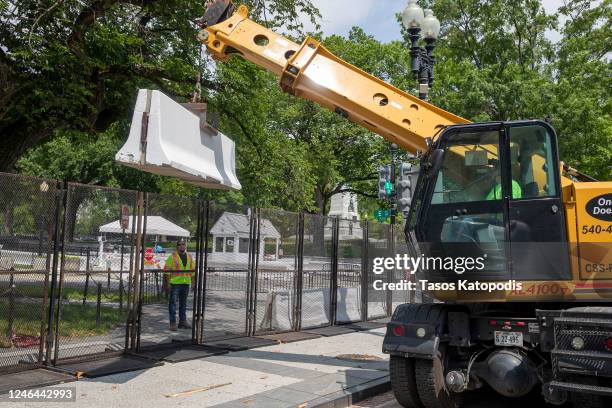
pixel 495 63
pixel 76 66
pixel 582 110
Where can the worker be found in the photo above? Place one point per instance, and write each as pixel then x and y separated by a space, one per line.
pixel 496 191
pixel 179 269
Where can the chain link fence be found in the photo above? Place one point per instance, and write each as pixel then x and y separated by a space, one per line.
pixel 166 276
pixel 228 269
pixel 94 277
pixel 27 225
pixel 276 274
pixel 318 234
pixel 79 280
pixel 350 270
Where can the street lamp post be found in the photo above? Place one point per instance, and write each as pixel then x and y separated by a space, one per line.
pixel 421 23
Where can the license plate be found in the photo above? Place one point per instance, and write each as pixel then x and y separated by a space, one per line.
pixel 503 338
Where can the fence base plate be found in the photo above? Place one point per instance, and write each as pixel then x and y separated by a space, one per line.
pixel 181 352
pixel 241 343
pixel 108 366
pixel 363 326
pixel 330 331
pixel 289 337
pixel 35 378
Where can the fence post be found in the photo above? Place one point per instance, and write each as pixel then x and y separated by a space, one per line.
pixel 61 254
pixel 252 307
pixel 11 311
pixel 139 297
pixel 365 267
pixel 195 314
pixel 203 268
pixel 121 271
pixel 334 271
pixel 98 305
pixel 134 284
pixel 86 277
pixel 299 284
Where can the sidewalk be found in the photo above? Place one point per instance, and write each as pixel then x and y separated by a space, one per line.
pixel 304 374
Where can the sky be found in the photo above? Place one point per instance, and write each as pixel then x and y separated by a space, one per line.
pixel 377 17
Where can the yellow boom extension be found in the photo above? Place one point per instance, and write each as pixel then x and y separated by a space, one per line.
pixel 312 72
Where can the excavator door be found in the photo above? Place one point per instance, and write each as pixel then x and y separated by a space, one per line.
pixel 492 191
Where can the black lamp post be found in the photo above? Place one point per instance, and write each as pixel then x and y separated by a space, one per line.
pixel 425 24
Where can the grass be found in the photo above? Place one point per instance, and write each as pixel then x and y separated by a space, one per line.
pixel 77 320
pixel 74 294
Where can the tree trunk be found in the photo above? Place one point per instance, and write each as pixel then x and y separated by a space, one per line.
pixel 15 140
pixel 9 219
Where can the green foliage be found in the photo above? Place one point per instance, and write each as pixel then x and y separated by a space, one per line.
pixel 73 82
pixel 495 63
pixel 76 66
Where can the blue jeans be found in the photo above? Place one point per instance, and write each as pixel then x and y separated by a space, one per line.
pixel 181 292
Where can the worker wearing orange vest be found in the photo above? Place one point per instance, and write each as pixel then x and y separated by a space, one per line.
pixel 179 269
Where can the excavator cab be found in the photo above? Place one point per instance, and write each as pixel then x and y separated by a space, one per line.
pixel 492 191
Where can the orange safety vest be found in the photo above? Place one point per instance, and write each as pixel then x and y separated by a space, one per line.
pixel 174 267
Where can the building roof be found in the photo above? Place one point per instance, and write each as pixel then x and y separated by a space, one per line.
pixel 156 225
pixel 232 223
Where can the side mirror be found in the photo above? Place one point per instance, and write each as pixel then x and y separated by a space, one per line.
pixel 435 162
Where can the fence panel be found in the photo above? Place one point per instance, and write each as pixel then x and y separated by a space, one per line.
pixel 379 246
pixel 95 271
pixel 350 264
pixel 27 226
pixel 276 274
pixel 317 271
pixel 228 266
pixel 167 219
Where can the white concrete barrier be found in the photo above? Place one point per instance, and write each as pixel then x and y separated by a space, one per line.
pixel 177 146
pixel 278 313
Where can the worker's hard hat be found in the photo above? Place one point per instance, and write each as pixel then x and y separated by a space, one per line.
pixel 181 242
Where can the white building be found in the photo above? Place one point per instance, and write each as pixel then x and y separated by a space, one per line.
pixel 230 236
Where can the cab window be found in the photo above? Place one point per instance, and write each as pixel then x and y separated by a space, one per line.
pixel 470 170
pixel 532 161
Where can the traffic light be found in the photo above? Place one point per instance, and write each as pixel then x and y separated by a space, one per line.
pixel 408 175
pixel 384 181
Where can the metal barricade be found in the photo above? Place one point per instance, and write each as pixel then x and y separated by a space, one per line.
pixel 228 270
pixel 95 271
pixel 166 220
pixel 318 263
pixel 276 273
pixel 350 269
pixel 27 223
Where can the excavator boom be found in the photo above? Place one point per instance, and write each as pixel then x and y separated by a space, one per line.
pixel 311 71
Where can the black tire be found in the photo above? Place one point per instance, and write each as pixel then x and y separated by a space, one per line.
pixel 403 382
pixel 431 384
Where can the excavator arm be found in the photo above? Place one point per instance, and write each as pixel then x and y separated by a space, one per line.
pixel 312 72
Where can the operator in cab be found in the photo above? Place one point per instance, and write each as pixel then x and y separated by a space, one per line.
pixel 496 190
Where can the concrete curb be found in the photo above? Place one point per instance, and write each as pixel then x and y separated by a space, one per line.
pixel 351 395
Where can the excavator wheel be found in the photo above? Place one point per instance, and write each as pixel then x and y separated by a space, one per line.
pixel 431 384
pixel 403 382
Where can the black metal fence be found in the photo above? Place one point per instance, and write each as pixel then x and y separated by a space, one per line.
pixel 83 270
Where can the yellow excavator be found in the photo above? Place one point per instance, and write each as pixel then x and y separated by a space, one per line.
pixel 537 311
